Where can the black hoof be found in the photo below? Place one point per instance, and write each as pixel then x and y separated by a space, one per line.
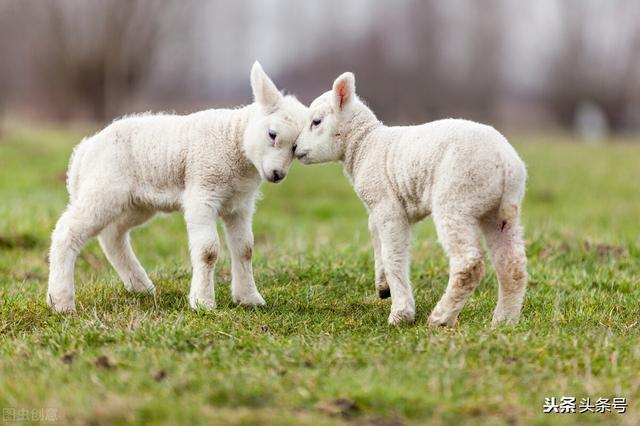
pixel 384 293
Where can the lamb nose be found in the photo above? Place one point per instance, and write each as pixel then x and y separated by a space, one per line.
pixel 277 176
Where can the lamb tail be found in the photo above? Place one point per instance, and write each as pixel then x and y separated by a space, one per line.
pixel 515 176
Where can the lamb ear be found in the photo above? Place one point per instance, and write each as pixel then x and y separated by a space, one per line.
pixel 344 90
pixel 264 91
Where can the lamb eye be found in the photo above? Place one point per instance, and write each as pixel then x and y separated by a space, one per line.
pixel 316 122
pixel 272 135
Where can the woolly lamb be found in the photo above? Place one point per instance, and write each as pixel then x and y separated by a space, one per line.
pixel 208 164
pixel 466 175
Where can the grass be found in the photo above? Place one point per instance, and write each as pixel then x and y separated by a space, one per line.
pixel 321 351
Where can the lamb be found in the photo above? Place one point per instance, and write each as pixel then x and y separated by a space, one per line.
pixel 208 164
pixel 464 174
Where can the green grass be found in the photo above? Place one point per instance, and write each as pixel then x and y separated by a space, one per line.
pixel 323 334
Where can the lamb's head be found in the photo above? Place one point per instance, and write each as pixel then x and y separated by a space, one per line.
pixel 273 129
pixel 323 137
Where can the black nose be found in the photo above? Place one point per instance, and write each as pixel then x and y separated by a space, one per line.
pixel 277 176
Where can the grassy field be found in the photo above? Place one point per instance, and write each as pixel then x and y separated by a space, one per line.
pixel 321 351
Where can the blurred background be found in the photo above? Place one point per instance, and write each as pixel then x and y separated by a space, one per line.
pixel 560 78
pixel 549 65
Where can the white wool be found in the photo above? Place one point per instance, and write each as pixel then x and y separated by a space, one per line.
pixel 208 164
pixel 464 174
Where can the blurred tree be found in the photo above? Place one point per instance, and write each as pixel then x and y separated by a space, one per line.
pixel 95 55
pixel 605 77
pixel 5 27
pixel 415 60
pixel 407 66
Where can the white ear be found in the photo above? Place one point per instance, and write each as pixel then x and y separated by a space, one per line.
pixel 344 90
pixel 264 91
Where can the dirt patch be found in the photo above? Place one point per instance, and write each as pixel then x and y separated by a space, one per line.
pixel 210 257
pixel 160 376
pixel 104 362
pixel 68 358
pixel 341 407
pixel 601 250
pixel 247 253
pixel 264 328
pixel 605 250
pixel 551 250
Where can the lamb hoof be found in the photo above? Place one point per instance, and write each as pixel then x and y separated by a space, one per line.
pixel 401 316
pixel 250 300
pixel 202 303
pixel 442 319
pixel 384 293
pixel 61 305
pixel 140 285
pixel 505 320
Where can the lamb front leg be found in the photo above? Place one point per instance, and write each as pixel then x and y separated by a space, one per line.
pixel 381 281
pixel 394 233
pixel 240 242
pixel 204 246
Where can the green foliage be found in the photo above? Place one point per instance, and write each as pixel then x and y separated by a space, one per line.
pixel 323 334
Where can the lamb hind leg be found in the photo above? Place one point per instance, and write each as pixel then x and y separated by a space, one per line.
pixel 382 286
pixel 115 243
pixel 460 237
pixel 507 253
pixel 81 221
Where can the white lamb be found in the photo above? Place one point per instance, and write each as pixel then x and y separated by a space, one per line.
pixel 208 164
pixel 465 174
